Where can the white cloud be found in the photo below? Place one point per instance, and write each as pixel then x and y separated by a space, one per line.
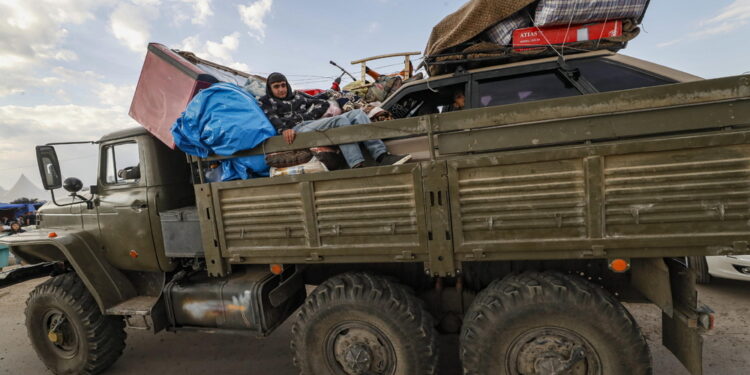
pixel 254 15
pixel 736 12
pixel 34 123
pixel 116 97
pixel 218 52
pixel 201 9
pixel 25 126
pixel 34 29
pixel 730 18
pixel 130 25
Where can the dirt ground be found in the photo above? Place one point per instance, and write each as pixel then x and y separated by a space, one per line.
pixel 726 349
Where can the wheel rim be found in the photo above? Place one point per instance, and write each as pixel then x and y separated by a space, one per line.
pixel 62 337
pixel 359 348
pixel 552 350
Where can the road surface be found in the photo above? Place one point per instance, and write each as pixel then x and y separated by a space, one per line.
pixel 726 349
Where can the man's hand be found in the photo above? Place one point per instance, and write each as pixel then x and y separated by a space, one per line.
pixel 289 135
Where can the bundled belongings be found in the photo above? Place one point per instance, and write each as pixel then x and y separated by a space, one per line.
pixel 566 12
pixel 312 166
pixel 223 120
pixel 167 83
pixel 541 37
pixel 253 84
pixel 169 79
pixel 486 32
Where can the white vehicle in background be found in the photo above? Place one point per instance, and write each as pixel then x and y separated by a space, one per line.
pixel 725 267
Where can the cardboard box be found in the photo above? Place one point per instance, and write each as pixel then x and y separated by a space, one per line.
pixel 167 84
pixel 525 39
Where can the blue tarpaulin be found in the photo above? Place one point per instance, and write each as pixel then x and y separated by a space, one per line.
pixel 224 119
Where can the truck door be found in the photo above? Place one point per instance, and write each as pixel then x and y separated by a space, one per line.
pixel 123 207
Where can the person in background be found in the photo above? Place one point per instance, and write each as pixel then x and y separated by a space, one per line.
pixel 21 221
pixel 459 101
pixel 15 228
pixel 293 112
pixel 31 218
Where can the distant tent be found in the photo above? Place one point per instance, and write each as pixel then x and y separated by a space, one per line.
pixel 2 194
pixel 24 188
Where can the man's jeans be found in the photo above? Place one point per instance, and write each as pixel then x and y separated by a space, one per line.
pixel 351 151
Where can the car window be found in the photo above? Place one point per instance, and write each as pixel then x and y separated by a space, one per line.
pixel 523 88
pixel 122 164
pixel 431 100
pixel 610 76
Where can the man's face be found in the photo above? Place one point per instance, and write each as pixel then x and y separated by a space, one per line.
pixel 459 101
pixel 279 89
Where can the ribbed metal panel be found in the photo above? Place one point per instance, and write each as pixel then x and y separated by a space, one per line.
pixel 262 217
pixel 506 203
pixel 367 211
pixel 707 189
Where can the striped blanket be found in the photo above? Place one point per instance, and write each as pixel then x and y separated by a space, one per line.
pixel 563 12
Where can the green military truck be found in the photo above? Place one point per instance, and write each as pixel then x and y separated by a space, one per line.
pixel 561 190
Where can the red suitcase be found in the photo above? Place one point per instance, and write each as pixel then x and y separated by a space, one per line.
pixel 167 83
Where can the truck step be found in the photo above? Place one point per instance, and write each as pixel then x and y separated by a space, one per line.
pixel 140 305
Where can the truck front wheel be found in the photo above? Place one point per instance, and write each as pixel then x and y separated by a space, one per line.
pixel 68 331
pixel 356 324
pixel 550 323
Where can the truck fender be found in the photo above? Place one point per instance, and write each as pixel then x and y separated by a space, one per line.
pixel 106 284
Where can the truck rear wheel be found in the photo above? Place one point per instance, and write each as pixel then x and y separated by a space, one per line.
pixel 356 324
pixel 68 331
pixel 550 323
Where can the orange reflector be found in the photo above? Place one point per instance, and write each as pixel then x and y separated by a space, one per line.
pixel 52 235
pixel 133 254
pixel 619 265
pixel 277 269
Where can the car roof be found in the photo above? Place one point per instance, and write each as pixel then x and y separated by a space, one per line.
pixel 661 70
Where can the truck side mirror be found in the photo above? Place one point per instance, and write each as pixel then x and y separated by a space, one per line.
pixel 49 167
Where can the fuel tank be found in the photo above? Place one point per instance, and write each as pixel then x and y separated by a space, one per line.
pixel 251 300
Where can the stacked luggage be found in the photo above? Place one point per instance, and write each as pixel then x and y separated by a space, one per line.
pixel 489 32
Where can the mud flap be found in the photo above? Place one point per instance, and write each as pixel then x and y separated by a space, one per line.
pixel 681 333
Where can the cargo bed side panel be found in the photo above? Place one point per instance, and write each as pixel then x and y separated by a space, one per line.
pixel 619 200
pixel 372 214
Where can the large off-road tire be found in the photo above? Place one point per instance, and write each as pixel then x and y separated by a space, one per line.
pixel 359 323
pixel 700 267
pixel 68 331
pixel 542 323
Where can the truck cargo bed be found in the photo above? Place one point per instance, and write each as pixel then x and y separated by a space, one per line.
pixel 653 172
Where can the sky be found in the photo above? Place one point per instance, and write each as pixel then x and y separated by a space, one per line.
pixel 68 68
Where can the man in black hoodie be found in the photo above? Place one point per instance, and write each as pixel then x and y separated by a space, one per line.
pixel 293 112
